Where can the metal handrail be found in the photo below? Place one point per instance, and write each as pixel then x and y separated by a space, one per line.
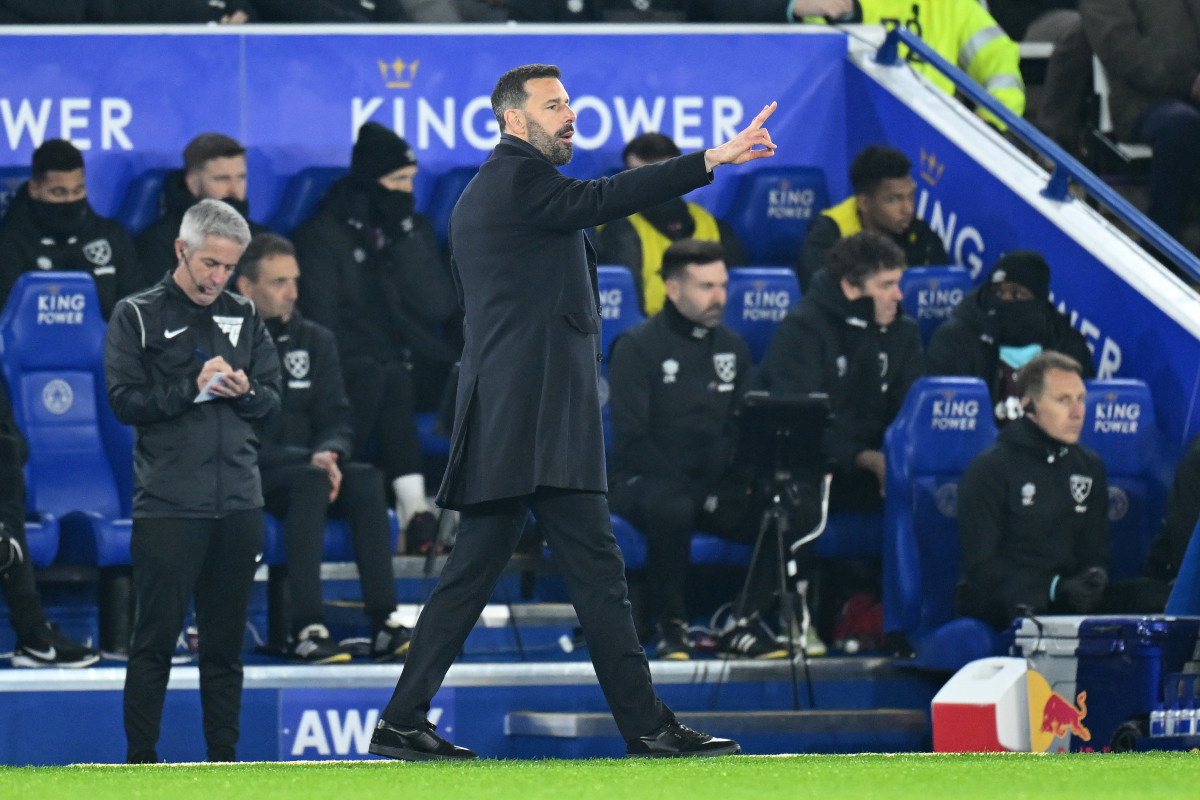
pixel 1066 168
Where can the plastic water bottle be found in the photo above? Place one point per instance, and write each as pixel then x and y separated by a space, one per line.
pixel 1158 721
pixel 1172 719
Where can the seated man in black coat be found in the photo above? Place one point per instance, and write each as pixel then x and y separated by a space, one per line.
pixel 884 202
pixel 1000 326
pixel 306 468
pixel 675 381
pixel 849 338
pixel 373 275
pixel 1033 509
pixel 639 241
pixel 39 642
pixel 51 226
pixel 214 165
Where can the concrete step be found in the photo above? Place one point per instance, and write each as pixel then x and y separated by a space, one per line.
pixel 727 723
pixel 495 615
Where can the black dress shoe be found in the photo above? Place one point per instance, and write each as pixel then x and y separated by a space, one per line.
pixel 415 744
pixel 674 740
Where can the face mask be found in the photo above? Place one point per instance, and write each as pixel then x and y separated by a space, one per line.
pixel 672 217
pixel 58 219
pixel 1022 322
pixel 390 208
pixel 240 206
pixel 1017 357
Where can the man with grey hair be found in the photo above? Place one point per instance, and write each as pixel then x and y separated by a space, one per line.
pixel 193 369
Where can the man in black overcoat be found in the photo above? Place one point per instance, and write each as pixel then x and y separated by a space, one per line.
pixel 527 433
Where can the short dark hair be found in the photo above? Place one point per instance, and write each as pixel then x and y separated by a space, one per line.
pixel 208 146
pixel 650 147
pixel 856 258
pixel 510 89
pixel 55 155
pixel 262 247
pixel 876 164
pixel 1031 379
pixel 689 251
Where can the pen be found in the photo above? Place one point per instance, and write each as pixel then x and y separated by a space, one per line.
pixel 200 354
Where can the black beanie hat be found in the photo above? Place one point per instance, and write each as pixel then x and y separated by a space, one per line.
pixel 378 152
pixel 1025 267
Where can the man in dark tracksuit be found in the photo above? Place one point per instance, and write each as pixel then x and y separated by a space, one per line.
pixel 527 430
pixel 39 642
pixel 675 381
pixel 306 467
pixel 849 339
pixel 373 275
pixel 1033 509
pixel 51 226
pixel 214 165
pixel 193 368
pixel 1000 326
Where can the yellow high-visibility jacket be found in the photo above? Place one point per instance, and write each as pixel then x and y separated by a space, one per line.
pixel 963 33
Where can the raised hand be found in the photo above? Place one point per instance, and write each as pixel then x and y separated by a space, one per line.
pixel 739 149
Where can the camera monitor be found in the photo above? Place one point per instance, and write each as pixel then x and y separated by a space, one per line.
pixel 781 434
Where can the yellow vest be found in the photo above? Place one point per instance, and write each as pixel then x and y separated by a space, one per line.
pixel 845 214
pixel 962 32
pixel 654 244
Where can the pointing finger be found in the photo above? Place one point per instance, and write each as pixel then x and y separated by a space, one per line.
pixel 763 115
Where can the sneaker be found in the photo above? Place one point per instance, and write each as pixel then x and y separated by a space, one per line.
pixel 673 643
pixel 391 641
pixel 313 646
pixel 675 740
pixel 808 640
pixel 745 639
pixel 415 744
pixel 421 533
pixel 53 649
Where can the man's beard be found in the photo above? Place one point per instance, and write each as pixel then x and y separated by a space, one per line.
pixel 556 151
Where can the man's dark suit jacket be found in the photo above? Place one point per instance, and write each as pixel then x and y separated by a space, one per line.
pixel 528 411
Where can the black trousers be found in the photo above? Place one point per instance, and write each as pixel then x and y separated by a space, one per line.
pixel 20 592
pixel 578 529
pixel 299 494
pixel 174 560
pixel 668 512
pixel 382 399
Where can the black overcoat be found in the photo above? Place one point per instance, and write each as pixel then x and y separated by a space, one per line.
pixel 528 411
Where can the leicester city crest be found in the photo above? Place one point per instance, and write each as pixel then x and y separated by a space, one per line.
pixel 726 366
pixel 1081 487
pixel 296 363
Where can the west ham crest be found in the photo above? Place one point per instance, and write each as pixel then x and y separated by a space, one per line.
pixel 98 252
pixel 726 366
pixel 296 363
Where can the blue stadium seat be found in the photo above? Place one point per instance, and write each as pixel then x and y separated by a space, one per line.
pixel 932 293
pixel 338 544
pixel 301 197
pixel 852 535
pixel 631 542
pixel 446 191
pixel 41 535
pixel 942 426
pixel 52 342
pixel 11 179
pixel 705 549
pixel 431 443
pixel 772 208
pixel 1120 426
pixel 618 304
pixel 143 201
pixel 759 299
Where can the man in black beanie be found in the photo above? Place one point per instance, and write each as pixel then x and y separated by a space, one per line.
pixel 372 272
pixel 1001 326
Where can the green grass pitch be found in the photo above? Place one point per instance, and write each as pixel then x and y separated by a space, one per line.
pixel 925 777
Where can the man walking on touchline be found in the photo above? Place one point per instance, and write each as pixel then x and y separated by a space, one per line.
pixel 527 432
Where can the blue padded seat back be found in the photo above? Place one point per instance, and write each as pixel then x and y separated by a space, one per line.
pixel 337 543
pixel 942 426
pixel 442 199
pixel 932 293
pixel 41 534
pixel 52 341
pixel 618 304
pixel 772 209
pixel 143 201
pixel 759 299
pixel 631 542
pixel 1120 426
pixel 11 179
pixel 302 195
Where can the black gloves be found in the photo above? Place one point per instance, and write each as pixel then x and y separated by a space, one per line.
pixel 1082 593
pixel 11 553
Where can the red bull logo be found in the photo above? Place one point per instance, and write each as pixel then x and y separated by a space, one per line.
pixel 1059 716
